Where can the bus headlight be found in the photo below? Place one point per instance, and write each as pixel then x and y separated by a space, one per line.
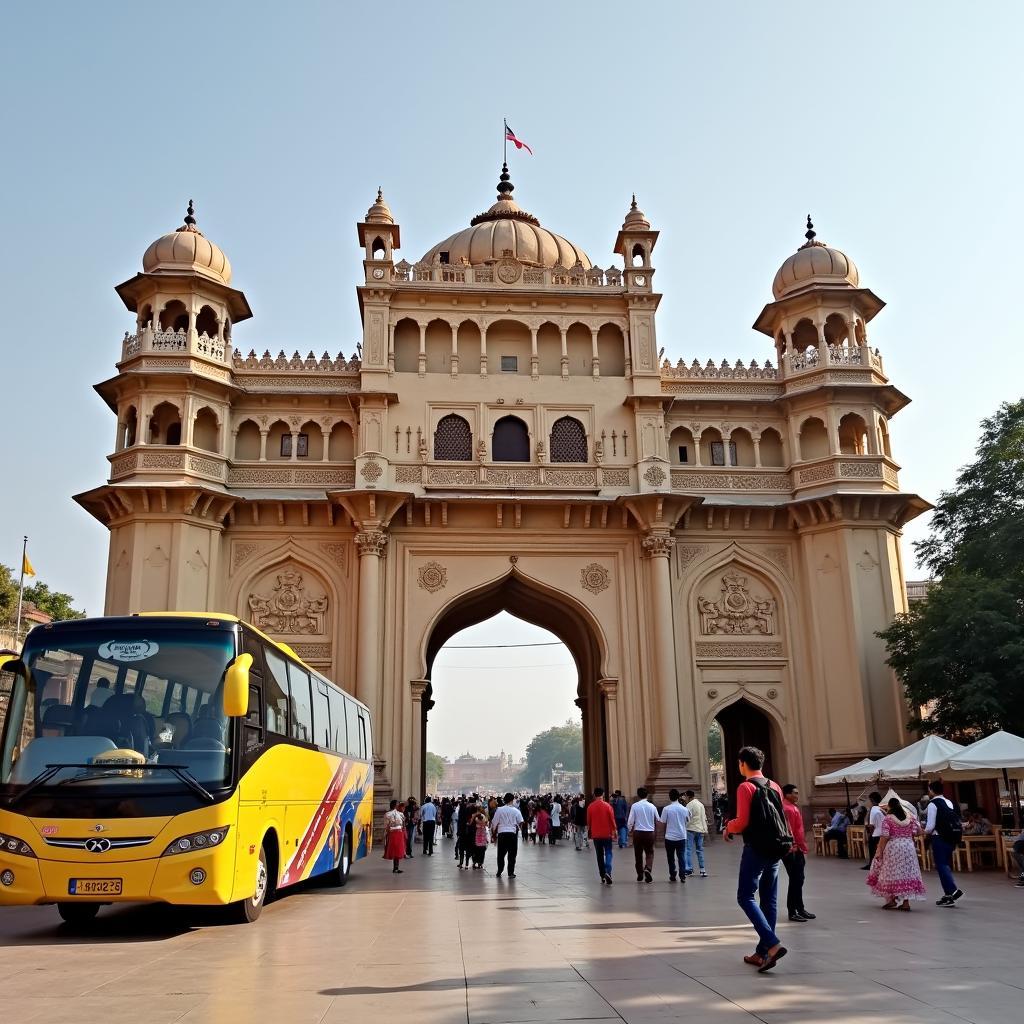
pixel 9 844
pixel 197 841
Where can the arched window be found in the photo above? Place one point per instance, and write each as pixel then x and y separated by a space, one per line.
pixel 453 440
pixel 510 441
pixel 813 439
pixel 379 249
pixel 145 316
pixel 174 316
pixel 247 442
pixel 569 441
pixel 131 427
pixel 771 448
pixel 165 425
pixel 206 430
pixel 638 255
pixel 853 435
pixel 206 322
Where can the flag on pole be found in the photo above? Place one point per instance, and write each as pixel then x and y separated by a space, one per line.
pixel 510 136
pixel 26 566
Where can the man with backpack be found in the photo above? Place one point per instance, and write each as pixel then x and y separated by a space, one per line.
pixel 761 820
pixel 945 831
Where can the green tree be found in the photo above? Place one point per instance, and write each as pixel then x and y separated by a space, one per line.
pixel 562 744
pixel 435 771
pixel 960 652
pixel 53 602
pixel 715 743
pixel 8 595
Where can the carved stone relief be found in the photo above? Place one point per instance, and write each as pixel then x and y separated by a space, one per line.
pixel 242 552
pixel 736 611
pixel 594 577
pixel 432 577
pixel 287 607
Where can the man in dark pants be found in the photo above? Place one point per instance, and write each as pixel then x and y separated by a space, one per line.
pixel 795 862
pixel 875 818
pixel 428 822
pixel 642 821
pixel 601 828
pixel 505 827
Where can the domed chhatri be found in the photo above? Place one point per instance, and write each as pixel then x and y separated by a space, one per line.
pixel 380 212
pixel 187 250
pixel 636 219
pixel 507 229
pixel 812 264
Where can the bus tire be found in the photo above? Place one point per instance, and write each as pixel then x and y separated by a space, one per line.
pixel 248 910
pixel 339 875
pixel 78 914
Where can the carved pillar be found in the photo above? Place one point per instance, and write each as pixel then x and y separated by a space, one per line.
pixel 616 749
pixel 422 366
pixel 696 444
pixel 657 548
pixel 833 430
pixel 483 350
pixel 326 433
pixel 455 350
pixel 414 736
pixel 391 348
pixel 371 546
pixel 295 446
pixel 595 359
pixel 565 352
pixel 629 357
pixel 187 420
pixel 534 359
pixel 263 444
pixel 757 450
pixel 727 445
pixel 234 444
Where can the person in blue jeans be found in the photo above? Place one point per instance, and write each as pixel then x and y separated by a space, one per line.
pixel 621 809
pixel 941 810
pixel 759 875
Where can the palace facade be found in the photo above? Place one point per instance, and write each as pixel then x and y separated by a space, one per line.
pixel 710 540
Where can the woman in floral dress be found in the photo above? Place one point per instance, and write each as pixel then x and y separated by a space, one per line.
pixel 394 835
pixel 895 872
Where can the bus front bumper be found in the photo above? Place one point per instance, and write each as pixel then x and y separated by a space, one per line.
pixel 196 879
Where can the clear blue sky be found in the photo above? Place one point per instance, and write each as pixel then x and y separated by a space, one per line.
pixel 896 125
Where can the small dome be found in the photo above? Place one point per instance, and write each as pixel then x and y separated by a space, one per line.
pixel 815 263
pixel 507 228
pixel 187 250
pixel 380 212
pixel 636 219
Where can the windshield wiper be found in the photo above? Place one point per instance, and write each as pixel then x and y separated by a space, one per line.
pixel 108 772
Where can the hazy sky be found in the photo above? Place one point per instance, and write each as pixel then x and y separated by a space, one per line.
pixel 896 125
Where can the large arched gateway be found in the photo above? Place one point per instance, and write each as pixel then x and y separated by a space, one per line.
pixel 709 538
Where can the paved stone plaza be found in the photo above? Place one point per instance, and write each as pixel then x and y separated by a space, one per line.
pixel 438 945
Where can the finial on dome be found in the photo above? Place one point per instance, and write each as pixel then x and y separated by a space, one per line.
pixel 190 214
pixel 632 205
pixel 505 186
pixel 810 234
pixel 380 193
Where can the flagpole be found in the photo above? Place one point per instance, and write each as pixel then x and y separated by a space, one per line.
pixel 21 588
pixel 504 135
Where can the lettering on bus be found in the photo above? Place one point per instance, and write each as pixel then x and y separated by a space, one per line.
pixel 128 650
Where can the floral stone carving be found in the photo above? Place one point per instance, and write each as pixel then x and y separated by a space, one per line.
pixel 288 609
pixel 594 577
pixel 655 476
pixel 371 471
pixel 736 611
pixel 432 577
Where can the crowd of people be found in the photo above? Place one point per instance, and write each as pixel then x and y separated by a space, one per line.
pixel 767 816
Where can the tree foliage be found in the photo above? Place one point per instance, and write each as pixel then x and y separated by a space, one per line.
pixel 53 602
pixel 960 652
pixel 562 744
pixel 435 771
pixel 715 743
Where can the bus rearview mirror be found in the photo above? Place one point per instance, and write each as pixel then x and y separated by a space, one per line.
pixel 9 662
pixel 236 687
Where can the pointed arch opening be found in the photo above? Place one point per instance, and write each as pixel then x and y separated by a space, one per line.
pixel 510 440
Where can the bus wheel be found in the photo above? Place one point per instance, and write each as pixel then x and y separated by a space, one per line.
pixel 248 910
pixel 339 876
pixel 78 914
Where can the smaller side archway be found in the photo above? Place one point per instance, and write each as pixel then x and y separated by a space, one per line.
pixel 772 454
pixel 341 445
pixel 247 442
pixel 174 316
pixel 853 435
pixel 165 424
pixel 813 439
pixel 206 430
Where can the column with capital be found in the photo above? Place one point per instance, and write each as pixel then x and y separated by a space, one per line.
pixel 371 545
pixel 657 548
pixel 412 731
pixel 616 751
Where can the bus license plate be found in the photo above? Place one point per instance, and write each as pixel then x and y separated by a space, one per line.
pixel 94 887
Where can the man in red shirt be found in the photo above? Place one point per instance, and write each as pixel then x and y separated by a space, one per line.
pixel 602 830
pixel 759 874
pixel 795 860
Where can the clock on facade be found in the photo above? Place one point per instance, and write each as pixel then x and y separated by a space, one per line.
pixel 378 272
pixel 640 280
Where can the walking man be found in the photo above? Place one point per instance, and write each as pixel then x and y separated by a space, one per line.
pixel 874 826
pixel 674 817
pixel 696 830
pixel 601 827
pixel 505 826
pixel 643 816
pixel 945 830
pixel 579 822
pixel 795 861
pixel 761 821
pixel 428 822
pixel 621 808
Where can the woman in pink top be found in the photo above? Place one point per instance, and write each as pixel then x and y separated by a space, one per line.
pixel 895 872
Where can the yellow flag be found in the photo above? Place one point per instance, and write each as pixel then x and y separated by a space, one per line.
pixel 26 566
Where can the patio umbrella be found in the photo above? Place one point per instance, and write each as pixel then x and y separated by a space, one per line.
pixel 843 775
pixel 909 762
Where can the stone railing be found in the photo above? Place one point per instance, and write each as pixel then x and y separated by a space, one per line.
pixel 512 476
pixel 171 342
pixel 723 372
pixel 163 459
pixel 861 469
pixel 695 479
pixel 847 356
pixel 507 273
pixel 325 364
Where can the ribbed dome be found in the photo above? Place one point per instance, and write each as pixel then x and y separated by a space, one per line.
pixel 380 212
pixel 815 263
pixel 506 227
pixel 187 250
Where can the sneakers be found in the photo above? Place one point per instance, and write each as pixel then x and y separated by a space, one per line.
pixel 1020 882
pixel 956 896
pixel 703 873
pixel 648 877
pixel 672 878
pixel 798 917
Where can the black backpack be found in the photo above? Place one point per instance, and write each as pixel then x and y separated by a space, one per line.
pixel 768 831
pixel 948 826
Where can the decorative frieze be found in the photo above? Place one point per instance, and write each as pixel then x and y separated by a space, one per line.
pixel 408 474
pixel 371 471
pixel 737 649
pixel 313 652
pixel 860 470
pixel 615 477
pixel 123 465
pixel 209 467
pixel 690 480
pixel 573 477
pixel 452 477
pixel 813 474
pixel 513 477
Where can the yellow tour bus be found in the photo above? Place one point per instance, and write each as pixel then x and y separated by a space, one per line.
pixel 177 758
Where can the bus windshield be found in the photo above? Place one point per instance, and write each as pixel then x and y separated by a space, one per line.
pixel 119 706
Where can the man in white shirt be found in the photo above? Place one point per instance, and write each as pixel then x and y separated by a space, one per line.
pixel 674 817
pixel 875 818
pixel 944 828
pixel 696 830
pixel 428 822
pixel 643 817
pixel 556 822
pixel 505 827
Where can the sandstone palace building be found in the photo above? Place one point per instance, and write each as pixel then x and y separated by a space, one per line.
pixel 710 540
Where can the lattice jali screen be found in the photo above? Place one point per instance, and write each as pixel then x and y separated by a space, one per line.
pixel 568 441
pixel 453 440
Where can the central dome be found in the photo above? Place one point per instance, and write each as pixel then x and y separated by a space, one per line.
pixel 508 230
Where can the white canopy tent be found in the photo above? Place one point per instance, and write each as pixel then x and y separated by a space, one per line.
pixel 909 762
pixel 844 774
pixel 1002 753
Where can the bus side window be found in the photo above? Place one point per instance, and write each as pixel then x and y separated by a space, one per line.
pixel 321 715
pixel 352 714
pixel 339 731
pixel 364 744
pixel 275 686
pixel 254 720
pixel 301 711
